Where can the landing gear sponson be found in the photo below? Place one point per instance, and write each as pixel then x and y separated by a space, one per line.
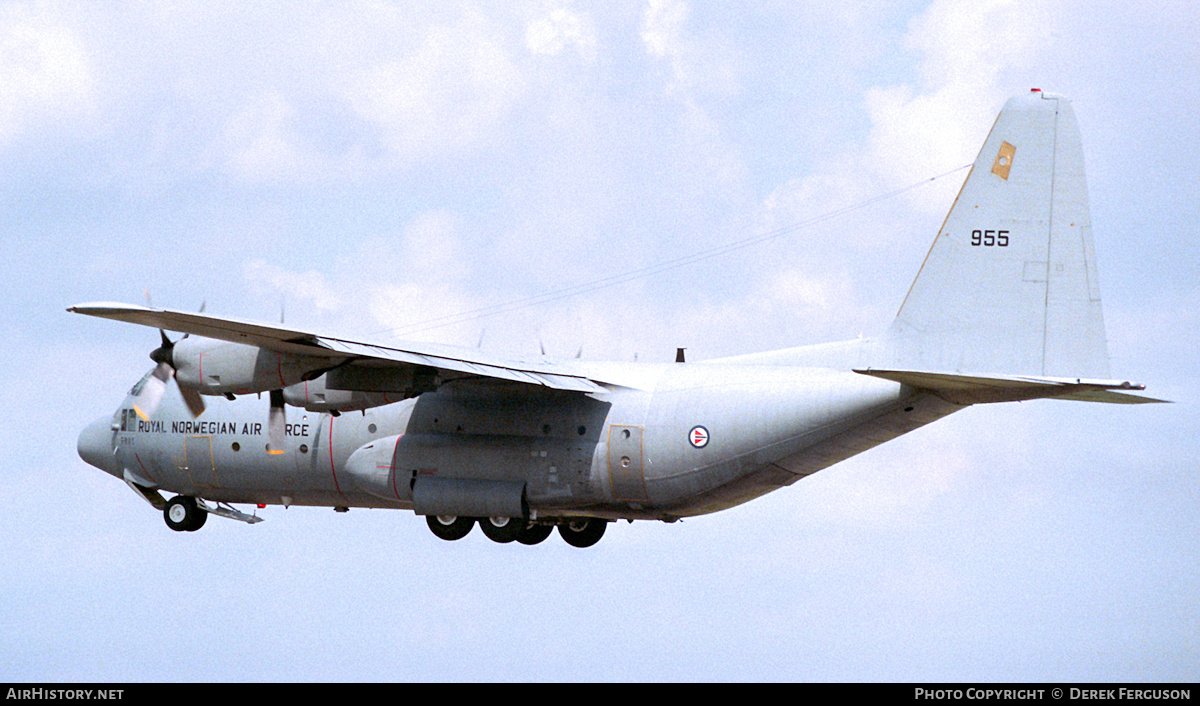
pixel 578 532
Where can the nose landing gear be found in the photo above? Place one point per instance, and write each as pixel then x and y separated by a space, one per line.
pixel 184 514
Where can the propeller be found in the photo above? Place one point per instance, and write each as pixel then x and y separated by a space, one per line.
pixel 149 397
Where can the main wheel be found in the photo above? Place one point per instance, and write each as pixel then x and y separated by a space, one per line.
pixel 183 514
pixel 582 531
pixel 501 529
pixel 449 527
pixel 534 532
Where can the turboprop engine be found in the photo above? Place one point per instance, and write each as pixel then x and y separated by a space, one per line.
pixel 213 367
pixel 205 366
pixel 317 396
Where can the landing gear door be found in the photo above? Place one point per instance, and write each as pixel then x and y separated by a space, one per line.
pixel 625 463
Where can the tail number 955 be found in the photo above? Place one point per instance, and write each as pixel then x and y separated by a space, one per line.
pixel 990 238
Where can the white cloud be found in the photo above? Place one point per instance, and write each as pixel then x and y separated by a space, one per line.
pixel 973 44
pixel 882 489
pixel 698 65
pixel 662 27
pixel 430 248
pixel 698 69
pixel 45 73
pixel 559 28
pixel 967 57
pixel 454 88
pixel 312 287
pixel 969 53
pixel 392 284
pixel 262 145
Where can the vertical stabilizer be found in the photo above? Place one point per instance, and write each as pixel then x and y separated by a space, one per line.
pixel 1009 285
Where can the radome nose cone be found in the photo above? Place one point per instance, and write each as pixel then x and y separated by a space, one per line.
pixel 95 445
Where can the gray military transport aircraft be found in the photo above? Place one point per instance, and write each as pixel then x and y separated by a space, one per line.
pixel 1005 308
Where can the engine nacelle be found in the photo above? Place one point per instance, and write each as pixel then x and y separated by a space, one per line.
pixel 316 396
pixel 369 469
pixel 214 367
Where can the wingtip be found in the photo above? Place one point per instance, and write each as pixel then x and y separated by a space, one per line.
pixel 100 308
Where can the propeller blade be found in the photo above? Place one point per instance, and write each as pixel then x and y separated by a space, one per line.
pixel 276 422
pixel 152 391
pixel 193 399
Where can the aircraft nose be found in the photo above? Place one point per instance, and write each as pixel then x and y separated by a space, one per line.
pixel 95 445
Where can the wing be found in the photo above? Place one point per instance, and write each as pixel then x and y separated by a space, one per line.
pixel 450 361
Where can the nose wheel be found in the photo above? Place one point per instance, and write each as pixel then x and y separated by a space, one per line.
pixel 183 514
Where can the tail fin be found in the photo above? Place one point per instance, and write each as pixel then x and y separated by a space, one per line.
pixel 1009 285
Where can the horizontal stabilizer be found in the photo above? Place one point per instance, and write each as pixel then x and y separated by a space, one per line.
pixel 977 389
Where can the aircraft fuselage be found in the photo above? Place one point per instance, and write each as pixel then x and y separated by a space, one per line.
pixel 683 439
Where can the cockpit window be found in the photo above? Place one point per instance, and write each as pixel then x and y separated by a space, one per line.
pixel 137 387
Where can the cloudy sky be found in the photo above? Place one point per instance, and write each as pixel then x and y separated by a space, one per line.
pixel 547 172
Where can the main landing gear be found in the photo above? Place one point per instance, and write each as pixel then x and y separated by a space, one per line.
pixel 578 532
